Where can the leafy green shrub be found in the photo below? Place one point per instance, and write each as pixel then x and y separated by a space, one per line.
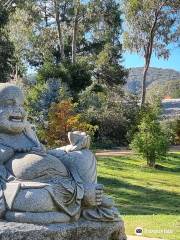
pixel 114 114
pixel 76 76
pixel 40 97
pixel 172 129
pixel 150 141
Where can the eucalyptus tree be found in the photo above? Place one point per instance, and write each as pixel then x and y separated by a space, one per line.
pixel 72 31
pixel 22 29
pixel 151 25
pixel 106 29
pixel 6 47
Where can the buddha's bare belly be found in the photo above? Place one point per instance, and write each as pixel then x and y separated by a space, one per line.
pixel 34 167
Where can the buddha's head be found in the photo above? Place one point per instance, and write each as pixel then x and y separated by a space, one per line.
pixel 12 114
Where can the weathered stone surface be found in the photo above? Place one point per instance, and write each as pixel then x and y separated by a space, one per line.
pixel 81 230
pixel 41 187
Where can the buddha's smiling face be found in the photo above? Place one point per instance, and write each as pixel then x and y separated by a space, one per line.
pixel 12 114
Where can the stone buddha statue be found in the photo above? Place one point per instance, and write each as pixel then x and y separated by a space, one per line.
pixel 39 186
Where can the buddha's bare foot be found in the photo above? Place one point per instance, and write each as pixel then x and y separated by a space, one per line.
pixel 107 202
pixel 93 195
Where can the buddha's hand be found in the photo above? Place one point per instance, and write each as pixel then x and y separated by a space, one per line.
pixel 93 195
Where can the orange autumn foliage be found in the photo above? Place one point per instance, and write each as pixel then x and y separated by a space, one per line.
pixel 63 119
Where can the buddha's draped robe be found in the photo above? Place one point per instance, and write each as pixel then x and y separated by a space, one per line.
pixel 29 166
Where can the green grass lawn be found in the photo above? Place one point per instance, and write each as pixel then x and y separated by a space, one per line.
pixel 147 198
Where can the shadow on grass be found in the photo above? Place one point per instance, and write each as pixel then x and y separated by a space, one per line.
pixel 172 157
pixel 129 162
pixel 137 200
pixel 167 169
pixel 119 162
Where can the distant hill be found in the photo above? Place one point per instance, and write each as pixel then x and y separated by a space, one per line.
pixel 164 90
pixel 171 108
pixel 155 76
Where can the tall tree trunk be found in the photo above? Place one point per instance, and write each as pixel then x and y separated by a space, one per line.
pixel 45 15
pixel 74 38
pixel 148 54
pixel 75 31
pixel 58 22
pixel 143 86
pixel 16 72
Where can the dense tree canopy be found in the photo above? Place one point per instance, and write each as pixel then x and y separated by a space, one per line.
pixel 70 31
pixel 6 47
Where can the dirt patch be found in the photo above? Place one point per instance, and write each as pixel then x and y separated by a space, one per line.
pixel 122 152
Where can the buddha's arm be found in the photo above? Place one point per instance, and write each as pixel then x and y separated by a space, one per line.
pixel 6 153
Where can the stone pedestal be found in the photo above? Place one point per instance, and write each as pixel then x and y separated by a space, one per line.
pixel 81 230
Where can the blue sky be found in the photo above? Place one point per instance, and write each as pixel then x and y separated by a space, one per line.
pixel 134 60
